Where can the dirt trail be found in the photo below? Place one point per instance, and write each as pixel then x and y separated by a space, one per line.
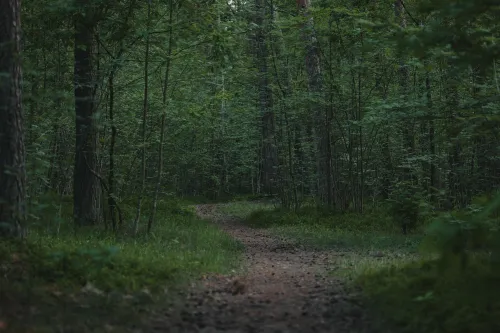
pixel 284 289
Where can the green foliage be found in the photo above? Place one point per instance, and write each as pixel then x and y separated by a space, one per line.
pixel 418 298
pixel 464 32
pixel 457 292
pixel 388 84
pixel 455 234
pixel 405 208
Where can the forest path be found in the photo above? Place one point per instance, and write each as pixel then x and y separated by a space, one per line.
pixel 284 288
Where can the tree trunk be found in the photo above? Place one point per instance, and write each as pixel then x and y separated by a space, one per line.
pixel 268 150
pixel 117 63
pixel 456 189
pixel 404 76
pixel 315 81
pixel 432 144
pixel 12 154
pixel 86 186
pixel 144 119
pixel 163 116
pixel 111 175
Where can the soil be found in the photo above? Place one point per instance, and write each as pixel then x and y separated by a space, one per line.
pixel 282 288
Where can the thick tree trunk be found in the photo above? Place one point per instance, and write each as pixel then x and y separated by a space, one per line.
pixel 12 154
pixel 86 185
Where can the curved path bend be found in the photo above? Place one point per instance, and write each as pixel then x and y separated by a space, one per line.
pixel 284 288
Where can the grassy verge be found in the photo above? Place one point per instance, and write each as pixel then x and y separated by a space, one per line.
pixel 374 231
pixel 95 281
pixel 243 209
pixel 408 292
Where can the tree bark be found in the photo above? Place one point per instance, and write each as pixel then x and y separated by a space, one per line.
pixel 86 186
pixel 12 153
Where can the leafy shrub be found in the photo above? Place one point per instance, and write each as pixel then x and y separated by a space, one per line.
pixel 405 206
pixel 419 298
pixel 456 293
pixel 456 234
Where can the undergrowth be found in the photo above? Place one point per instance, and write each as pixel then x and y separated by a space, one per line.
pixel 419 297
pixel 243 209
pixel 442 277
pixel 456 293
pixel 322 229
pixel 91 274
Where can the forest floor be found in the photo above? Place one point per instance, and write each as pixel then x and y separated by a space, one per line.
pixel 283 287
pixel 277 272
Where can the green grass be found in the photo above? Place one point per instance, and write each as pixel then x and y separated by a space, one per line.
pixel 243 209
pixel 406 289
pixel 323 237
pixel 373 231
pixel 119 274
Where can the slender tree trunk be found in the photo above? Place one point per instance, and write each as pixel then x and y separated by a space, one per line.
pixel 432 143
pixel 144 120
pixel 117 62
pixel 111 175
pixel 313 67
pixel 12 153
pixel 404 77
pixel 163 117
pixel 361 170
pixel 282 78
pixel 455 159
pixel 59 180
pixel 388 172
pixel 268 152
pixel 86 186
pixel 388 168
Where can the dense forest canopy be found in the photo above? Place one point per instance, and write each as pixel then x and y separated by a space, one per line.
pixel 340 102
